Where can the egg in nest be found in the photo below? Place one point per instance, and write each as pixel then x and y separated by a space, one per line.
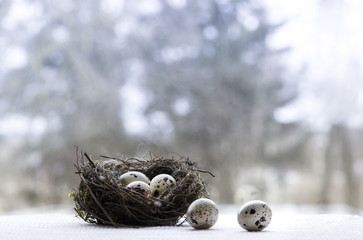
pixel 140 187
pixel 161 184
pixel 129 177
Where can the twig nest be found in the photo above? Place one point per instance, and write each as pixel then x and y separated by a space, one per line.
pixel 108 193
pixel 202 214
pixel 161 183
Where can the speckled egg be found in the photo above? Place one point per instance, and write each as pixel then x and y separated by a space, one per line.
pixel 254 215
pixel 161 183
pixel 202 213
pixel 140 187
pixel 129 177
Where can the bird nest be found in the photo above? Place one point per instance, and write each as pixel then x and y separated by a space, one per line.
pixel 100 199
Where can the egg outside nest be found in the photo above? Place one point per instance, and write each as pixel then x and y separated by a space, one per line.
pixel 254 215
pixel 202 214
pixel 99 198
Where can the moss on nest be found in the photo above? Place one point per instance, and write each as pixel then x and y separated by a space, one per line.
pixel 100 199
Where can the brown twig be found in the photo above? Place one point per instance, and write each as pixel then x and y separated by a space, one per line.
pixel 90 160
pixel 98 203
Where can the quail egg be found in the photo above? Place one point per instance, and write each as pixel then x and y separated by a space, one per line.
pixel 254 215
pixel 161 183
pixel 202 213
pixel 129 177
pixel 140 187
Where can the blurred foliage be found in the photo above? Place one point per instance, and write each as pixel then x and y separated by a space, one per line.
pixel 231 84
pixel 210 88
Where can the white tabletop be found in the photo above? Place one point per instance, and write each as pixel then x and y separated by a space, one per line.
pixel 283 226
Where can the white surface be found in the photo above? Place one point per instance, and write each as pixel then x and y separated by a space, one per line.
pixel 283 226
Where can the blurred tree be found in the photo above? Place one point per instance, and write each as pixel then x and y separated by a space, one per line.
pixel 339 149
pixel 212 85
pixel 211 75
pixel 71 82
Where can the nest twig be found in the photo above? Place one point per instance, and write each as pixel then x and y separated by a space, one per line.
pixel 99 199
